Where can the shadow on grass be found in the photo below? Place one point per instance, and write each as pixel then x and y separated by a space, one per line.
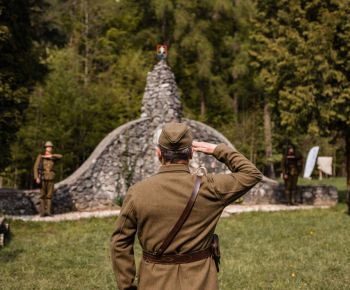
pixel 9 256
pixel 342 196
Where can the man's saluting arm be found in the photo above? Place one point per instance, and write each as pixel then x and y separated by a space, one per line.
pixel 243 177
pixel 57 156
pixel 229 187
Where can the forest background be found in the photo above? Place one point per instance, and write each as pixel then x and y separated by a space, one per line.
pixel 263 72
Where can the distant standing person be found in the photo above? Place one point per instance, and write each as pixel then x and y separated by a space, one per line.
pixel 291 167
pixel 44 175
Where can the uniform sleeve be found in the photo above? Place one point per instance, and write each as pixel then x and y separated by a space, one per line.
pixel 122 245
pixel 36 167
pixel 244 176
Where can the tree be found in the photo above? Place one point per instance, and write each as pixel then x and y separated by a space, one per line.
pixel 302 56
pixel 23 31
pixel 75 107
pixel 201 56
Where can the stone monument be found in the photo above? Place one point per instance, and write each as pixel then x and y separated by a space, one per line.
pixel 127 155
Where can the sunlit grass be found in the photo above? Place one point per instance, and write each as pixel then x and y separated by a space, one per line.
pixel 281 250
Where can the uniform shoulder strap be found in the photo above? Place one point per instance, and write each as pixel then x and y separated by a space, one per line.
pixel 176 228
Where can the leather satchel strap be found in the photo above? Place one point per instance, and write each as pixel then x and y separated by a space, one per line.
pixel 170 237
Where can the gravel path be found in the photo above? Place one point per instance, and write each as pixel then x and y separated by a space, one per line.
pixel 70 216
pixel 230 210
pixel 235 209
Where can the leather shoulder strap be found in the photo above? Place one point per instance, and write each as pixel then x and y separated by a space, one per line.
pixel 170 237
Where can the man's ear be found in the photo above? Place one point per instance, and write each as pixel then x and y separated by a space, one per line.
pixel 159 154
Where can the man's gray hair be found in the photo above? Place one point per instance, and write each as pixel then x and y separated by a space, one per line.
pixel 174 156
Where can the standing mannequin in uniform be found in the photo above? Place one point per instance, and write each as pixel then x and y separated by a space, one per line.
pixel 44 175
pixel 152 207
pixel 291 167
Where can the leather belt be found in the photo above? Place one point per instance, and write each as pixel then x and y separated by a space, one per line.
pixel 177 258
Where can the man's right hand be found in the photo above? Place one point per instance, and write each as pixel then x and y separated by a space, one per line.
pixel 37 180
pixel 204 147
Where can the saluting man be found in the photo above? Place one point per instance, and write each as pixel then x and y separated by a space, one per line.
pixel 44 174
pixel 152 207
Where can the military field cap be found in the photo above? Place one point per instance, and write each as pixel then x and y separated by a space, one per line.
pixel 48 144
pixel 175 136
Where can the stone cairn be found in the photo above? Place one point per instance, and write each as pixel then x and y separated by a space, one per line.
pixel 126 156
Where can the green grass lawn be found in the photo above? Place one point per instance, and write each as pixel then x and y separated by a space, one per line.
pixel 282 250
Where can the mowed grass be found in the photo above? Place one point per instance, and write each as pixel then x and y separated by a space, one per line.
pixel 64 255
pixel 284 250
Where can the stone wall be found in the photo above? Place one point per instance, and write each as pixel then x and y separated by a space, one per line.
pixel 15 202
pixel 273 193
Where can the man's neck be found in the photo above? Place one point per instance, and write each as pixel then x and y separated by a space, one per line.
pixel 183 162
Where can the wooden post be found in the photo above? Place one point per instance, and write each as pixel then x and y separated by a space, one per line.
pixel 268 138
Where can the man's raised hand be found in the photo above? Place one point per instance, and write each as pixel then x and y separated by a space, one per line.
pixel 204 147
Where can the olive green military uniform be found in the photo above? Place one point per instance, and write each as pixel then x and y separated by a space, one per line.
pixel 152 207
pixel 47 180
pixel 291 167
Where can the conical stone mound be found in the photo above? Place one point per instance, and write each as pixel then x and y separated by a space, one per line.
pixel 161 102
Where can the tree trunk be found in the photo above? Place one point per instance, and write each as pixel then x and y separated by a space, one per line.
pixel 347 147
pixel 86 43
pixel 235 108
pixel 15 178
pixel 252 143
pixel 203 107
pixel 268 138
pixel 164 29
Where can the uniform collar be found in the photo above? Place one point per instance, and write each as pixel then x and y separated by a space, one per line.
pixel 174 167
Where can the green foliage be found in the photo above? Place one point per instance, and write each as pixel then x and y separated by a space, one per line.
pixel 229 59
pixel 119 200
pixel 88 92
pixel 302 59
pixel 20 68
pixel 300 53
pixel 201 55
pixel 74 116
